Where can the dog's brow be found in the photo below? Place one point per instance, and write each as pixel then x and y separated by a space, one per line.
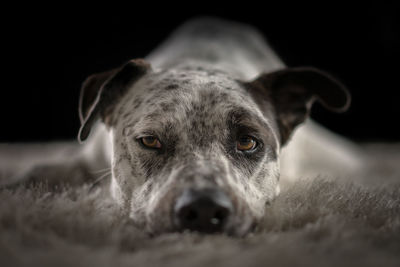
pixel 248 119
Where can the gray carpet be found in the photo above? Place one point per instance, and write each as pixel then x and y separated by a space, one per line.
pixel 318 222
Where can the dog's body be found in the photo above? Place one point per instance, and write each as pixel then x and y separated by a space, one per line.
pixel 201 102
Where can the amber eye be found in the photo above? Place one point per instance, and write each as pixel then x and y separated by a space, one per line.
pixel 246 143
pixel 150 142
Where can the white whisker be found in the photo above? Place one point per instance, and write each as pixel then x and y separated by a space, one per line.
pixel 102 170
pixel 101 178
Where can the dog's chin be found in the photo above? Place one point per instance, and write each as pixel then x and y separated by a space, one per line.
pixel 239 228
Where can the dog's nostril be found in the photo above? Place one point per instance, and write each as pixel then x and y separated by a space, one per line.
pixel 219 216
pixel 191 216
pixel 203 211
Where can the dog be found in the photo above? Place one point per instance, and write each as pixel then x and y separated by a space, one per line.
pixel 199 133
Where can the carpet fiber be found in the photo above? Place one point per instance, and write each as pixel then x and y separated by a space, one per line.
pixel 315 222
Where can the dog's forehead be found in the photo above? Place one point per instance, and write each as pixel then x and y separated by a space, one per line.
pixel 193 90
pixel 196 85
pixel 187 99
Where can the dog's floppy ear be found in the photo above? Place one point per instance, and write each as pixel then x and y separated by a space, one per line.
pixel 100 92
pixel 292 92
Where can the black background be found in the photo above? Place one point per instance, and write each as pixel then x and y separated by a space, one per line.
pixel 49 51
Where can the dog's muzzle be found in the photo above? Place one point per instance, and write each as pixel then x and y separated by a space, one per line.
pixel 205 211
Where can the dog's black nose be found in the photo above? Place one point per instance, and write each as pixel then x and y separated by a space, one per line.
pixel 205 211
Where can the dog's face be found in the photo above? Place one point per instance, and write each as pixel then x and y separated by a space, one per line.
pixel 194 148
pixel 180 130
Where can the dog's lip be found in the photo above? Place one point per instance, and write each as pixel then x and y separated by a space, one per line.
pixel 237 230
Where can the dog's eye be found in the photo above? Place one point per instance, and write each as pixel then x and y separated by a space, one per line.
pixel 246 143
pixel 150 142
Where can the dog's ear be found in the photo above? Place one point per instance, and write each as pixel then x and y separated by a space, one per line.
pixel 100 92
pixel 292 92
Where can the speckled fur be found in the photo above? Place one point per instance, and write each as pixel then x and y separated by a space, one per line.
pixel 195 116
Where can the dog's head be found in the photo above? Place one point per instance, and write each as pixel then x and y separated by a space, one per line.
pixel 196 149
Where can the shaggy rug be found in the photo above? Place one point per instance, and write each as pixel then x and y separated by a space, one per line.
pixel 314 222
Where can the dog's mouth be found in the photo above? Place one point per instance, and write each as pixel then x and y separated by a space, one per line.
pixel 234 227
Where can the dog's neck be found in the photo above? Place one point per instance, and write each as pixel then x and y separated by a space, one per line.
pixel 239 50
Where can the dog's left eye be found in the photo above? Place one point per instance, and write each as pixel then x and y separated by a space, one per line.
pixel 246 143
pixel 150 142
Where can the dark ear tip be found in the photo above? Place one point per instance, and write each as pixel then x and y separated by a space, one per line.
pixel 346 101
pixel 83 134
pixel 339 102
pixel 340 98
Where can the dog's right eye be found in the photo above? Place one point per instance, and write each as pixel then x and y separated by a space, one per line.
pixel 246 143
pixel 150 142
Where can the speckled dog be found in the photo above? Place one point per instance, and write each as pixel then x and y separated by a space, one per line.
pixel 193 133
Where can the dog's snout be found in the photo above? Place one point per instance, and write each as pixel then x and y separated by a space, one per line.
pixel 205 211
